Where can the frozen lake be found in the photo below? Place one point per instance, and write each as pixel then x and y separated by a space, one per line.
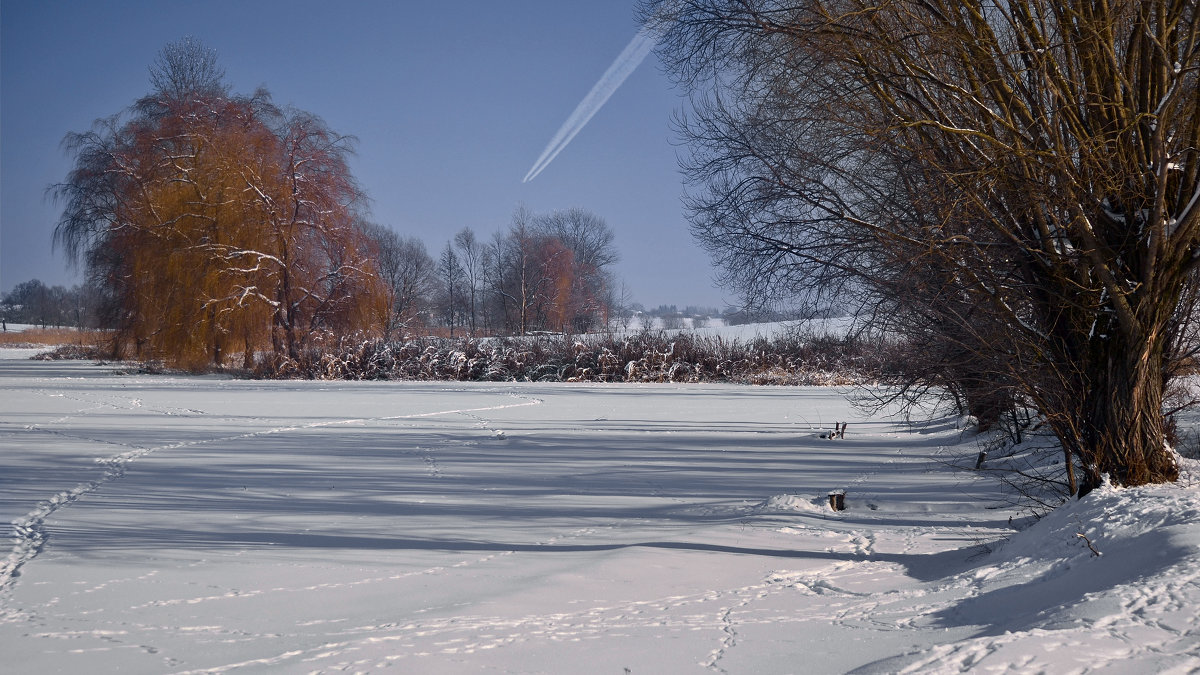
pixel 202 524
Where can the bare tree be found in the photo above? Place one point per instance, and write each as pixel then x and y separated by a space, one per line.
pixel 471 256
pixel 591 244
pixel 187 68
pixel 407 270
pixel 546 272
pixel 585 233
pixel 623 302
pixel 497 301
pixel 1033 160
pixel 450 275
pixel 516 278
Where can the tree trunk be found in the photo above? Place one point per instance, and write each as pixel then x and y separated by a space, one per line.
pixel 217 354
pixel 248 354
pixel 290 332
pixel 288 309
pixel 986 400
pixel 1123 432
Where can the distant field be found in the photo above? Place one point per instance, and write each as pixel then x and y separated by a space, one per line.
pixel 22 334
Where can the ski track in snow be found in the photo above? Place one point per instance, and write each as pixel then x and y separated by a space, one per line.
pixel 28 534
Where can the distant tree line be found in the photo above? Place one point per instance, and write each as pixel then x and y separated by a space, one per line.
pixel 34 303
pixel 544 272
pixel 670 317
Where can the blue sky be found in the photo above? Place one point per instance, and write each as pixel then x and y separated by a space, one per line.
pixel 451 102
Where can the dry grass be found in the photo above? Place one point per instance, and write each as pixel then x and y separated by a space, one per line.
pixel 51 337
pixel 640 357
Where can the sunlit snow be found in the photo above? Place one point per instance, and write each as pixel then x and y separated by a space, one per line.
pixel 204 524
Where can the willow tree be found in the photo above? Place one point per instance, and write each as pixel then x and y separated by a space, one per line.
pixel 1020 180
pixel 220 222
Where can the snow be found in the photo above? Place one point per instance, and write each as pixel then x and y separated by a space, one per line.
pixel 21 352
pixel 836 327
pixel 716 328
pixel 20 327
pixel 208 525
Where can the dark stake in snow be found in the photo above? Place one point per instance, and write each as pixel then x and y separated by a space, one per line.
pixel 837 500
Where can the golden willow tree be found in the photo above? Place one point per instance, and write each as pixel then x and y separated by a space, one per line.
pixel 221 224
pixel 1014 185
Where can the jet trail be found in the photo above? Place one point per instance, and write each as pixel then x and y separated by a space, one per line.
pixel 626 63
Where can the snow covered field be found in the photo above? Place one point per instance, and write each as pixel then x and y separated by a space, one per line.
pixel 835 327
pixel 201 524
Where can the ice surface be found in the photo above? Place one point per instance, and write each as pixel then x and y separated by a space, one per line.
pixel 178 524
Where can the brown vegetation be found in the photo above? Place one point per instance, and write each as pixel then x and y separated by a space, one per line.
pixel 42 337
pixel 221 225
pixel 641 357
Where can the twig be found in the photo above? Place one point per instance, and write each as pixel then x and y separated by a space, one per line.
pixel 1084 537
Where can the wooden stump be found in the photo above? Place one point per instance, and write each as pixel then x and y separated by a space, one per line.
pixel 837 500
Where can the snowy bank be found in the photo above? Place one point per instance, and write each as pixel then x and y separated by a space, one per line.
pixel 1109 583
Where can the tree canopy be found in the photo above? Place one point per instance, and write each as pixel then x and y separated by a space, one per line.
pixel 1013 185
pixel 220 222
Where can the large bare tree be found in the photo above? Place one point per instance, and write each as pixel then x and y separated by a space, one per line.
pixel 1019 180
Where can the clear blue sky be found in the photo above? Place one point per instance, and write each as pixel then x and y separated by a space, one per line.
pixel 451 102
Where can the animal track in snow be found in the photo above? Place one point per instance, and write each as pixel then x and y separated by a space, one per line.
pixel 29 536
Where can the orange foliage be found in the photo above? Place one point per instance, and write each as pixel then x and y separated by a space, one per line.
pixel 558 270
pixel 232 230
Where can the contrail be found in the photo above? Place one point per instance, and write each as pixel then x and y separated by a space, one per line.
pixel 626 63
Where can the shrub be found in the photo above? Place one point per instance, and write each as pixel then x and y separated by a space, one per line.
pixel 641 357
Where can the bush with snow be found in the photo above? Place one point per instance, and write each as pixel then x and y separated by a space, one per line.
pixel 640 357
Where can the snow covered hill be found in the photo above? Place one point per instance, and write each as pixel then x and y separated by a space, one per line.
pixel 202 524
